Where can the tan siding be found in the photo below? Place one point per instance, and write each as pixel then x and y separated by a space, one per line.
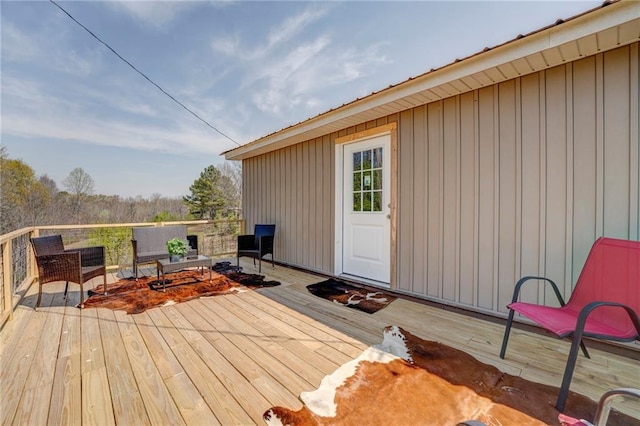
pixel 419 232
pixel 329 202
pixel 434 199
pixel 316 192
pixel 468 199
pixel 278 188
pixel 486 209
pixel 509 180
pixel 306 206
pixel 556 178
pixel 634 137
pixel 406 201
pixel 584 158
pixel 449 213
pixel 299 208
pixel 616 136
pixel 531 190
pixel 507 177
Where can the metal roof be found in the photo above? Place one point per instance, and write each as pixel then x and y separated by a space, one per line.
pixel 611 25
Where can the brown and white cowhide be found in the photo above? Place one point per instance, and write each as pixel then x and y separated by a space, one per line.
pixel 409 381
pixel 137 296
pixel 363 299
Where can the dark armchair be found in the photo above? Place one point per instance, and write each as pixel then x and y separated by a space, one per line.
pixel 77 265
pixel 257 245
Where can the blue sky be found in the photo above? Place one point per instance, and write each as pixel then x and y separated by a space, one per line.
pixel 247 68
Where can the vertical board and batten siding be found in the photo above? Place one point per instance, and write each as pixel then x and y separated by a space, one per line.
pixel 293 188
pixel 514 179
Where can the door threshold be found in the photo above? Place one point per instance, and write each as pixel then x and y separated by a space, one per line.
pixel 363 280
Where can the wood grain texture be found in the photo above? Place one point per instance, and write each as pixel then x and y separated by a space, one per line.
pixel 227 359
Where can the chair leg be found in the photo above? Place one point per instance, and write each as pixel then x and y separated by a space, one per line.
pixel 39 296
pixel 259 265
pixel 81 305
pixel 507 330
pixel 104 283
pixel 568 370
pixel 584 349
pixel 66 289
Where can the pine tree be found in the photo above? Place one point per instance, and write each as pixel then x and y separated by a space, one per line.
pixel 208 197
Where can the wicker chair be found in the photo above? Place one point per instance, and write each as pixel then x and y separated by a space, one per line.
pixel 257 245
pixel 57 264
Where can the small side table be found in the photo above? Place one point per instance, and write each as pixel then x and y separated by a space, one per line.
pixel 165 266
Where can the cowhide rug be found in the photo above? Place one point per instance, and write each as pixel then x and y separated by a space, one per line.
pixel 409 381
pixel 137 296
pixel 351 296
pixel 235 274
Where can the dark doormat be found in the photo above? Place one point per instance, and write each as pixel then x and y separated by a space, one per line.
pixel 368 301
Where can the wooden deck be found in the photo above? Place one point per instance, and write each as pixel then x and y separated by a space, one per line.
pixel 227 359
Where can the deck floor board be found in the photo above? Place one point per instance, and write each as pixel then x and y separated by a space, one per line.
pixel 227 359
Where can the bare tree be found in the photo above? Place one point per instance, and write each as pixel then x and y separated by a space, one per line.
pixel 80 186
pixel 233 185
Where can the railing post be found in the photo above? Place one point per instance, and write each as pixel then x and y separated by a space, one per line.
pixel 33 267
pixel 7 276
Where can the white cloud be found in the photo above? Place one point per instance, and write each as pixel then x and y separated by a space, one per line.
pixel 229 45
pixel 28 111
pixel 16 45
pixel 232 45
pixel 295 64
pixel 293 25
pixel 153 13
pixel 74 64
pixel 279 92
pixel 300 77
pixel 93 130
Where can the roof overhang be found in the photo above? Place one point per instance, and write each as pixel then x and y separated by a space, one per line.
pixel 605 28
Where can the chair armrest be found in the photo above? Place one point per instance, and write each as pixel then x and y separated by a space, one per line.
pixel 266 244
pixel 590 307
pixel 521 281
pixel 604 405
pixel 59 267
pixel 246 242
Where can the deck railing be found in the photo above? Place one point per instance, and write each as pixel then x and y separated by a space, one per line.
pixel 18 270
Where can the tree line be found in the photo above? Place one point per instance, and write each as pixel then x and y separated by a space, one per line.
pixel 30 200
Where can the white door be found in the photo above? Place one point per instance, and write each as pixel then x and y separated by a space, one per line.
pixel 366 209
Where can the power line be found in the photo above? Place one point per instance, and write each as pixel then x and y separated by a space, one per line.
pixel 141 73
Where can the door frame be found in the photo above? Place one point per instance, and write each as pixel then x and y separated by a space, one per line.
pixel 387 129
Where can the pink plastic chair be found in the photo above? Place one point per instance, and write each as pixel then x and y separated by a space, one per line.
pixel 604 304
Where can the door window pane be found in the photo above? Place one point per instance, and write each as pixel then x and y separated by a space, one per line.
pixel 357 181
pixel 377 179
pixel 366 201
pixel 377 158
pixel 377 201
pixel 366 159
pixel 357 163
pixel 357 202
pixel 367 180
